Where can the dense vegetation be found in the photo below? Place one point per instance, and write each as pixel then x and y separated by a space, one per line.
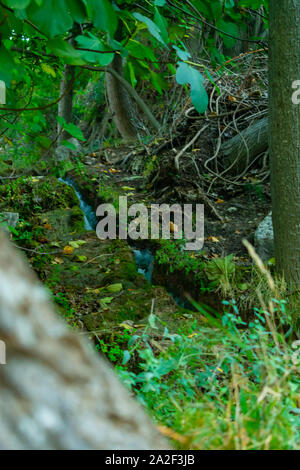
pixel 151 100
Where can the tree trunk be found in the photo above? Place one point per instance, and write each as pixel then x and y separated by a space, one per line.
pixel 119 102
pixel 284 119
pixel 55 392
pixel 244 147
pixel 65 105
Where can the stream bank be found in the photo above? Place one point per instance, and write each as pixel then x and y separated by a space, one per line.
pixel 95 283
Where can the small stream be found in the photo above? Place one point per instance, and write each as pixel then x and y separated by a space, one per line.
pixel 90 219
pixel 143 257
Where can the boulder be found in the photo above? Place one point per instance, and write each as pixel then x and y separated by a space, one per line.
pixel 63 152
pixel 264 238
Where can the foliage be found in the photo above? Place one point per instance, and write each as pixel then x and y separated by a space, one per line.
pixel 223 387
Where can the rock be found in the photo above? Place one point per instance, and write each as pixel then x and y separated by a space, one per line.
pixel 63 152
pixel 9 219
pixel 264 238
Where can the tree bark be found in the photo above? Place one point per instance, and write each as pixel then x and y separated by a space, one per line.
pixel 241 150
pixel 65 105
pixel 119 102
pixel 56 393
pixel 284 119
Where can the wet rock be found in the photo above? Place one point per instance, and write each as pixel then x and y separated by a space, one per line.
pixel 264 238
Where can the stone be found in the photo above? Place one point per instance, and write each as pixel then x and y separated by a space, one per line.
pixel 63 153
pixel 264 238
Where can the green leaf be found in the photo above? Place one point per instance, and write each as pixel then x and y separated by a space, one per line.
pixel 77 10
pixel 133 79
pixel 52 17
pixel 152 27
pixel 187 74
pixel 18 4
pixel 44 141
pixel 105 301
pixel 92 42
pixel 126 357
pixel 68 145
pixel 216 9
pixel 158 82
pixel 77 243
pixel 229 4
pixel 183 55
pixel 230 28
pixel 113 288
pixel 102 15
pixel 71 128
pixel 161 22
pixel 63 49
pixel 81 258
pixel 8 66
pixel 140 51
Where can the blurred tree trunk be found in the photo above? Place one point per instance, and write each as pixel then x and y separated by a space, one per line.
pixel 120 103
pixel 65 105
pixel 284 127
pixel 56 393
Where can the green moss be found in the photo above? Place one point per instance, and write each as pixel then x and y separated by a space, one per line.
pixel 77 220
pixel 37 194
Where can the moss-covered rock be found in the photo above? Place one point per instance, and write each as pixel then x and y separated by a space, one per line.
pixel 36 194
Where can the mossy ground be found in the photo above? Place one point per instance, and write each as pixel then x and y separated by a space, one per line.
pixel 80 270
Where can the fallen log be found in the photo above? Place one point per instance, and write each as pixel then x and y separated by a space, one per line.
pixel 241 150
pixel 56 393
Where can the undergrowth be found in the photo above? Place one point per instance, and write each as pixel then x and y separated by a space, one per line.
pixel 223 384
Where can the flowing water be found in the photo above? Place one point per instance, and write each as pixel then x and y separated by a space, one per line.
pixel 90 219
pixel 143 257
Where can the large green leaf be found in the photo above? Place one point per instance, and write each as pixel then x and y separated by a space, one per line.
pixel 71 128
pixel 7 66
pixel 183 55
pixel 102 15
pixel 64 50
pixel 8 23
pixel 52 17
pixel 19 4
pixel 152 27
pixel 141 51
pixel 92 42
pixel 77 10
pixel 230 28
pixel 161 22
pixel 187 74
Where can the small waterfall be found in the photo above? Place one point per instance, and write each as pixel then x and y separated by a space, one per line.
pixel 90 219
pixel 144 258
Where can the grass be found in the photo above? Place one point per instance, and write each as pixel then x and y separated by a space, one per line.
pixel 223 384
